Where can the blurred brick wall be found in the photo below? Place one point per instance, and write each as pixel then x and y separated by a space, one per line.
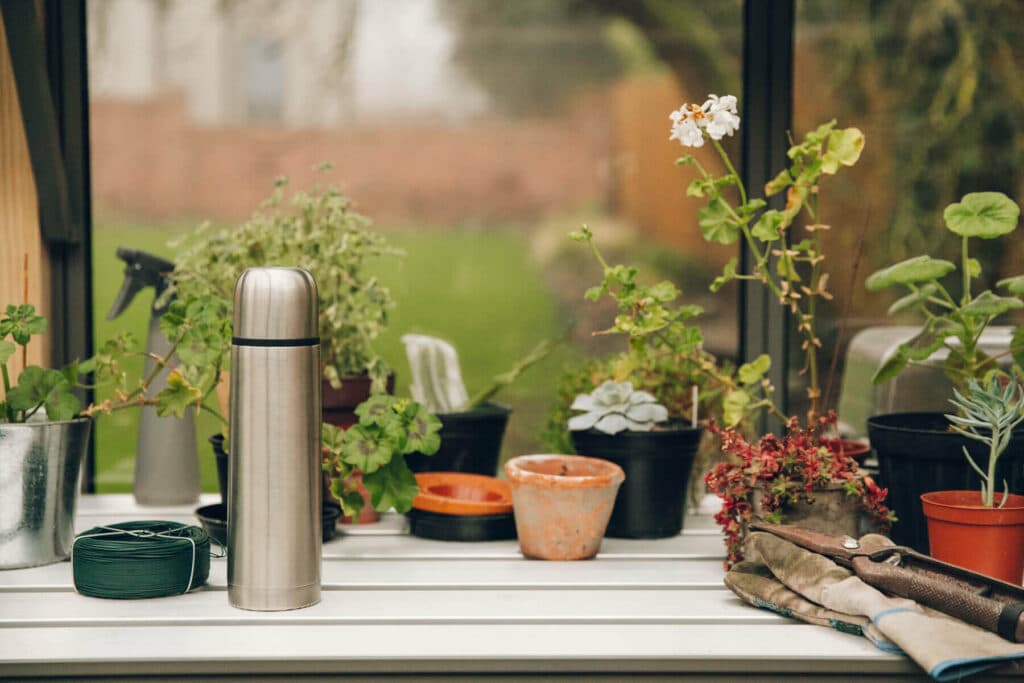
pixel 150 163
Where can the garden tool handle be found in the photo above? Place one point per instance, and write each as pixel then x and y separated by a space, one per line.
pixel 974 598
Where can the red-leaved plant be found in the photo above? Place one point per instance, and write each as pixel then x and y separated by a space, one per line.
pixel 786 470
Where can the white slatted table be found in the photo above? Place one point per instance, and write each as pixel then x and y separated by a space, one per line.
pixel 396 604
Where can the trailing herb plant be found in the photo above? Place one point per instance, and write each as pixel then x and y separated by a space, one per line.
pixel 790 266
pixel 786 471
pixel 988 413
pixel 389 428
pixel 318 230
pixel 956 323
pixel 665 354
pixel 200 340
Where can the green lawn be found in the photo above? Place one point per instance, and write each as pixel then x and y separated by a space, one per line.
pixel 478 289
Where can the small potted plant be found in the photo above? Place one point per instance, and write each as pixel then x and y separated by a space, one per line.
pixel 664 359
pixel 44 429
pixel 792 267
pixel 796 479
pixel 372 454
pixel 919 452
pixel 562 504
pixel 472 428
pixel 982 530
pixel 320 231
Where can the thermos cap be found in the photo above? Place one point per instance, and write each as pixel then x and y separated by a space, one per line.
pixel 275 304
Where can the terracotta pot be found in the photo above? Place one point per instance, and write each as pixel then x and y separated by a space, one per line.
pixel 367 515
pixel 987 540
pixel 339 404
pixel 562 503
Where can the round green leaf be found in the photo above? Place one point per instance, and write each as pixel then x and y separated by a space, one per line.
pixel 982 214
pixel 716 223
pixel 1014 285
pixel 917 269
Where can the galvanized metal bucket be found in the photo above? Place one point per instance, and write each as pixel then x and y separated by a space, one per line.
pixel 40 469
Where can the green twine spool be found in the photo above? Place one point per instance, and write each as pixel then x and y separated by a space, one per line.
pixel 133 560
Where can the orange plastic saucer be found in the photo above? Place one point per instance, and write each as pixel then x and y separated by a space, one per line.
pixel 458 493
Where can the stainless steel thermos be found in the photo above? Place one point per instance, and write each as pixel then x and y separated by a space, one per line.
pixel 274 489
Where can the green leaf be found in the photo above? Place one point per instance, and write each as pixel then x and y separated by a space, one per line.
pixel 595 293
pixel 973 267
pixel 843 149
pixel 892 366
pixel 423 436
pixel 40 387
pixel 785 267
pixel 728 275
pixel 7 349
pixel 734 406
pixel 913 299
pixel 177 396
pixel 716 223
pixel 778 183
pixel 1014 285
pixel 367 448
pixel 989 304
pixel 392 486
pixel 377 410
pixel 926 342
pixel 767 226
pixel 982 214
pixel 62 405
pixel 1017 346
pixel 696 188
pixel 916 269
pixel 752 372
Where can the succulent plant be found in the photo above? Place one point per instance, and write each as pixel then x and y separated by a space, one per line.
pixel 988 413
pixel 614 407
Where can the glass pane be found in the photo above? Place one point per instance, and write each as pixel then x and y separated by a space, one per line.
pixel 475 133
pixel 935 87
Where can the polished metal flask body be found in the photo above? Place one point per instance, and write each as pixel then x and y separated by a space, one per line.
pixel 275 489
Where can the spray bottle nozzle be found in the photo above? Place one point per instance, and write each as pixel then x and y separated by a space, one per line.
pixel 141 270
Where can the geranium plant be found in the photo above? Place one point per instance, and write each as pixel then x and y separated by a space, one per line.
pixel 791 266
pixel 200 340
pixel 785 471
pixel 956 323
pixel 389 428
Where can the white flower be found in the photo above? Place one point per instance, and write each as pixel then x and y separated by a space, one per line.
pixel 686 129
pixel 720 117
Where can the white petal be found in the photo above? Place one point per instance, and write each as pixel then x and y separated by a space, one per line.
pixel 584 402
pixel 612 424
pixel 640 426
pixel 638 397
pixel 578 423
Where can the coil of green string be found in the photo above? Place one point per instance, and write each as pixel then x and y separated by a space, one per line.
pixel 133 560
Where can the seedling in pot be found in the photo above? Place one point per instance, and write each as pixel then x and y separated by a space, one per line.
pixel 956 324
pixel 988 413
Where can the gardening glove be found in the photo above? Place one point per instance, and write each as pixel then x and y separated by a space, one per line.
pixel 946 648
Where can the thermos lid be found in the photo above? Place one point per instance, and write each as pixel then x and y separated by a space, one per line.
pixel 275 304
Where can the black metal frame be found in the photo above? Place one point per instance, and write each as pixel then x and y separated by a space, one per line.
pixel 50 70
pixel 768 27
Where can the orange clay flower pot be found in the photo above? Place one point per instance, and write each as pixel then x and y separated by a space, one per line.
pixel 459 493
pixel 562 503
pixel 987 540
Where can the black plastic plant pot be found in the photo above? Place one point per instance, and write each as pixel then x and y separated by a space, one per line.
pixel 470 442
pixel 918 454
pixel 657 466
pixel 217 441
pixel 214 520
pixel 464 528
